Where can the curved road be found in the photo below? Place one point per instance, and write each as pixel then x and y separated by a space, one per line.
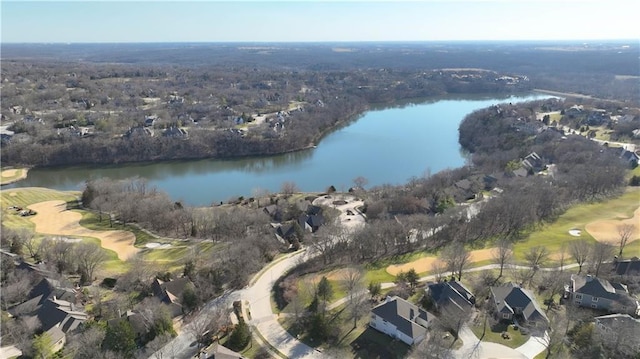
pixel 256 299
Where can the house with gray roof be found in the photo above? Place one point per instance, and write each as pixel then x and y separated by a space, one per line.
pixel 400 319
pixel 60 313
pixel 627 267
pixel 597 293
pixel 512 302
pixel 621 332
pixel 451 295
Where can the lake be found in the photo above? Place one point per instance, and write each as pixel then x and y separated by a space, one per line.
pixel 386 146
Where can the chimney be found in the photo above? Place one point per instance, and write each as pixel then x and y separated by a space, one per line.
pixel 589 277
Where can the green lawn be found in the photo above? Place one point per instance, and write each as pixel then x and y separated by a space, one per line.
pixel 553 236
pixel 494 334
pixel 375 345
pixel 92 220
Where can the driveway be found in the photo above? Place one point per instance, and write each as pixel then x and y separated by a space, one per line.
pixel 472 347
pixel 534 346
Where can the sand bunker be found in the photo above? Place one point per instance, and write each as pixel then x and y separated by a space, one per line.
pixel 12 175
pixel 53 218
pixel 156 245
pixel 607 230
pixel 426 264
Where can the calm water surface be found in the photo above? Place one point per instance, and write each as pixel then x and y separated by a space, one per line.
pixel 387 146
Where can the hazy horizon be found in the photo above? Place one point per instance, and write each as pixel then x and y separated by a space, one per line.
pixel 316 21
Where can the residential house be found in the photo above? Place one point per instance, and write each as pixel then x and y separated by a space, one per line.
pixel 533 162
pixel 451 295
pixel 629 156
pixel 170 293
pixel 175 132
pixel 138 131
pixel 45 289
pixel 620 332
pixel 574 110
pixel 627 267
pixel 139 324
pixel 514 303
pixel 286 232
pixel 150 121
pixel 597 293
pixel 400 319
pixel 217 351
pixel 310 223
pixel 60 313
pixel 520 172
pixel 273 211
pixel 58 338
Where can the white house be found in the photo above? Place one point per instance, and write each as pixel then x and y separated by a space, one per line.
pixel 401 320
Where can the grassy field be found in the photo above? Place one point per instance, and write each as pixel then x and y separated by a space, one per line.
pixel 91 220
pixel 553 236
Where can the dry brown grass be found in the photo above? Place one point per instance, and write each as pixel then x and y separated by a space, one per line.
pixel 607 230
pixel 425 264
pixel 53 218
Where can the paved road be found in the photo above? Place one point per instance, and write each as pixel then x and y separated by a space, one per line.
pixel 257 302
pixel 262 317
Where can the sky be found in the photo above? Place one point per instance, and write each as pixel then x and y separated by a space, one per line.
pixel 313 21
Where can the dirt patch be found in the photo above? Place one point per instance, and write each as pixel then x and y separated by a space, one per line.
pixel 53 218
pixel 425 264
pixel 334 275
pixel 607 230
pixel 13 194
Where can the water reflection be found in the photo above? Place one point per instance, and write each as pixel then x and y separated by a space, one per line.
pixel 388 145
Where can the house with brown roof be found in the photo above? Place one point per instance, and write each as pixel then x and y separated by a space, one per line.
pixel 401 319
pixel 170 293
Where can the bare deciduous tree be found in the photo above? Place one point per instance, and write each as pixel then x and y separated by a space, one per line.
pixel 625 231
pixel 503 253
pixel 456 257
pixel 208 322
pixel 600 253
pixel 82 344
pixel 356 293
pixel 360 182
pixel 288 188
pixel 89 257
pixel 579 251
